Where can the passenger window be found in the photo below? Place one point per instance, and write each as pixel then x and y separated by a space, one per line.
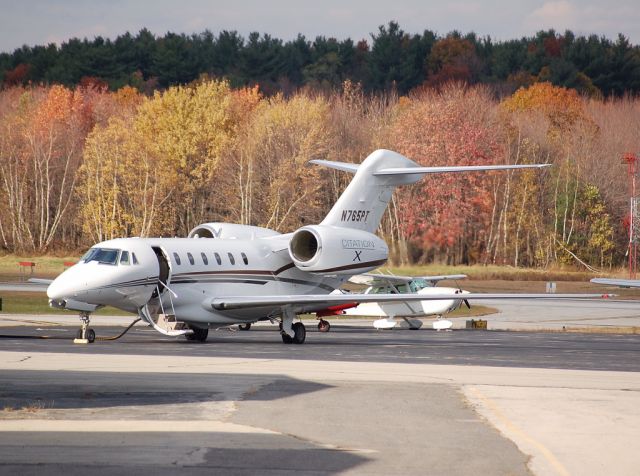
pixel 204 258
pixel 190 256
pixel 133 256
pixel 176 257
pixel 231 258
pixel 124 258
pixel 218 259
pixel 244 258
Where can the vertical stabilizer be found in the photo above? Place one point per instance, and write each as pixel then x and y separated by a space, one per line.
pixel 364 201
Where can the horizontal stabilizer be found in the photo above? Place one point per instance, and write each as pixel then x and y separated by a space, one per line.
pixel 453 169
pixel 344 166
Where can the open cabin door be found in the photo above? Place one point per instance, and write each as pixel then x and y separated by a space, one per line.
pixel 164 274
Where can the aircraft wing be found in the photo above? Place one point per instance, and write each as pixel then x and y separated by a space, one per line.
pixel 623 283
pixel 313 302
pixel 34 285
pixel 371 279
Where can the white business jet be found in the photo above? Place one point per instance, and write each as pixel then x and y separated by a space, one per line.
pixel 408 311
pixel 621 283
pixel 225 274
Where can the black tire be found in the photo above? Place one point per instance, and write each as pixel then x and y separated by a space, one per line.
pixel 300 333
pixel 324 326
pixel 286 339
pixel 91 335
pixel 244 327
pixel 199 335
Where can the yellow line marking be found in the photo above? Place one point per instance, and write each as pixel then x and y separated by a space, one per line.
pixel 513 428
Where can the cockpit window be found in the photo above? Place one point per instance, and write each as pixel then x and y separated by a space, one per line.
pixel 134 259
pixel 419 283
pixel 101 255
pixel 124 258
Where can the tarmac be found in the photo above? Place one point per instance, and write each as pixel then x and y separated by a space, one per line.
pixel 352 401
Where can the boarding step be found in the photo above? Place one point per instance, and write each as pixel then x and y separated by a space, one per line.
pixel 170 323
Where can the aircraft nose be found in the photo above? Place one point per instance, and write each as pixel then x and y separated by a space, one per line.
pixel 64 287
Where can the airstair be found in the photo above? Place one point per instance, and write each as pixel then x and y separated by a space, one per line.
pixel 163 319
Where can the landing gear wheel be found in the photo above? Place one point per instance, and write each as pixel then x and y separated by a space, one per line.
pixel 286 339
pixel 324 326
pixel 199 335
pixel 85 335
pixel 300 333
pixel 244 327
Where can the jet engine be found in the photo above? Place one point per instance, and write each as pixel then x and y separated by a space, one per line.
pixel 323 249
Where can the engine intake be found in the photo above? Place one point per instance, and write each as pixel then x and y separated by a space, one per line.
pixel 325 249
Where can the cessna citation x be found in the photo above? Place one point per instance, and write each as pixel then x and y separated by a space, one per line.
pixel 225 274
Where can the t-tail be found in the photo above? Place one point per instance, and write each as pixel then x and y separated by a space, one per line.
pixel 364 201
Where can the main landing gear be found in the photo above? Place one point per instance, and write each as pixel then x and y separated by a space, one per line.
pixel 198 334
pixel 292 333
pixel 244 327
pixel 85 334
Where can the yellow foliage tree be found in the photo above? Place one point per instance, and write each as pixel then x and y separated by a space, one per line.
pixel 188 129
pixel 282 137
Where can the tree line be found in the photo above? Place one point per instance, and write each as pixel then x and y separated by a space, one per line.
pixel 84 164
pixel 390 60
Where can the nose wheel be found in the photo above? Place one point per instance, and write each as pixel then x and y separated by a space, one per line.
pixel 85 334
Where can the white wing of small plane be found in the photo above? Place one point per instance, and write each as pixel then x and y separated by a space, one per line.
pixel 623 283
pixel 316 302
pixel 372 279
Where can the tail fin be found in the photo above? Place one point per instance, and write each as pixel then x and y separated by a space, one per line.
pixel 365 199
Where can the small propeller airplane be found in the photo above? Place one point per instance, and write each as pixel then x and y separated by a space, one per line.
pixel 224 274
pixel 408 311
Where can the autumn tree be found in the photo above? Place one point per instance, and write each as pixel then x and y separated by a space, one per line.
pixel 282 137
pixel 45 134
pixel 445 216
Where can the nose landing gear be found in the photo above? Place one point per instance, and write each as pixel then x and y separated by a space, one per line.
pixel 85 334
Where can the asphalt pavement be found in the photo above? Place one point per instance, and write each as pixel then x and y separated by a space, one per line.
pixel 351 401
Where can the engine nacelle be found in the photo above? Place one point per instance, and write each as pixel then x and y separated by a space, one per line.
pixel 230 231
pixel 325 249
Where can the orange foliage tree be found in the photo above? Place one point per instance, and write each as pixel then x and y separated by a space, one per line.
pixel 445 216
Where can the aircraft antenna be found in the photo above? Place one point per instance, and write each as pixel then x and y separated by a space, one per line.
pixel 634 213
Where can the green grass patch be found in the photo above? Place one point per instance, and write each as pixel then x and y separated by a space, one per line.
pixel 46 266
